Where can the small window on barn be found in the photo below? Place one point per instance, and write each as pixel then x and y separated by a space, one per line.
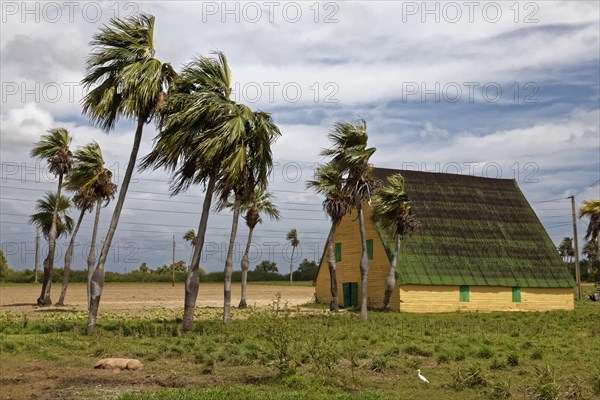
pixel 516 295
pixel 338 252
pixel 464 293
pixel 370 248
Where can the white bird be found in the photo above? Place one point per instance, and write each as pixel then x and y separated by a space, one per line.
pixel 422 377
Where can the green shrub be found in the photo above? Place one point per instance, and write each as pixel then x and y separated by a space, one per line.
pixel 545 386
pixel 469 377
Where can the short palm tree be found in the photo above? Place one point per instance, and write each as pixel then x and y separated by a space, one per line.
pixel 392 211
pixel 45 211
pixel 565 249
pixel 92 182
pixel 126 80
pixel 259 203
pixel 329 183
pixel 190 236
pixel 54 148
pixel 591 209
pixel 292 237
pixel 349 153
pixel 46 216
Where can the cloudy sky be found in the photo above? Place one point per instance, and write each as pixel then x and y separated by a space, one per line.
pixel 497 89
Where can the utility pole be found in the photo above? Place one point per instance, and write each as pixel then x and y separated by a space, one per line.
pixel 173 265
pixel 37 252
pixel 577 271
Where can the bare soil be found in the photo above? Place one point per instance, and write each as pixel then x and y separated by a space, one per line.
pixel 148 296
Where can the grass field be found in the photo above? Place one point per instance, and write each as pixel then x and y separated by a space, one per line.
pixel 279 352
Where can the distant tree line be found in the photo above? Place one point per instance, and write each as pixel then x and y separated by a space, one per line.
pixel 266 271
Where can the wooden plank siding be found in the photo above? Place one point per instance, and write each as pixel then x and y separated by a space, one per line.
pixel 423 298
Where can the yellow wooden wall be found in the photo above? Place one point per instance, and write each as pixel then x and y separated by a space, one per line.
pixel 348 270
pixel 423 298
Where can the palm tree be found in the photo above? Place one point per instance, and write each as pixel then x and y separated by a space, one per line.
pixel 591 209
pixel 84 202
pixel 179 147
pixel 127 81
pixel 44 216
pixel 259 203
pixel 566 250
pixel 392 211
pixel 93 183
pixel 247 138
pixel 207 138
pixel 52 211
pixel 292 237
pixel 349 154
pixel 329 182
pixel 190 236
pixel 54 148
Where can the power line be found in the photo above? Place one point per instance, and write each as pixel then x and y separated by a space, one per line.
pixel 200 199
pixel 588 186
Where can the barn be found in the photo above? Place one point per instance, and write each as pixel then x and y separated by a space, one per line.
pixel 481 247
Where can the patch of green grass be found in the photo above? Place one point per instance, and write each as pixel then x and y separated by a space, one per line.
pixel 279 353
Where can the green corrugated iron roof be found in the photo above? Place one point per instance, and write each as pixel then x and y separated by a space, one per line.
pixel 474 231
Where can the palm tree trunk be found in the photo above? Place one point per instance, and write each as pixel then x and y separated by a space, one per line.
pixel 334 304
pixel 364 259
pixel 292 262
pixel 390 282
pixel 192 281
pixel 229 263
pixel 68 259
pixel 44 299
pixel 91 260
pixel 97 281
pixel 245 264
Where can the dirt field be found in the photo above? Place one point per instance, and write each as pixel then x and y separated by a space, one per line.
pixel 146 296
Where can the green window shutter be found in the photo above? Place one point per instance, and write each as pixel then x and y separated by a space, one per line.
pixel 516 295
pixel 338 252
pixel 464 293
pixel 370 248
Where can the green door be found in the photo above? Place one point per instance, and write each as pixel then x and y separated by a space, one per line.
pixel 350 290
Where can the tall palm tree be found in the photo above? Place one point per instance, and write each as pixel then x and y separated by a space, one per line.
pixel 329 182
pixel 126 80
pixel 392 211
pixel 186 120
pixel 349 153
pixel 246 137
pixel 259 203
pixel 591 209
pixel 566 250
pixel 292 237
pixel 54 148
pixel 207 138
pixel 93 183
pixel 84 202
